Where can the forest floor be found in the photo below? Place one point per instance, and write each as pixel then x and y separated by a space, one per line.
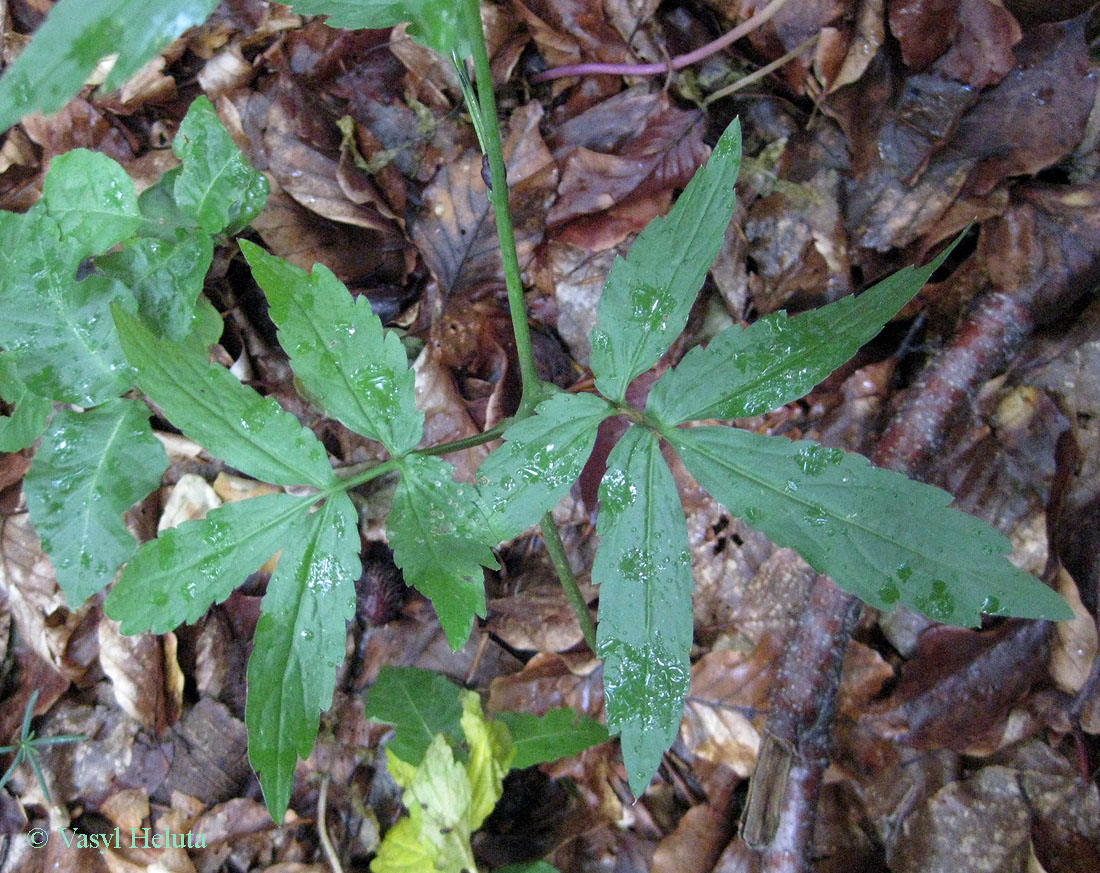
pixel 895 127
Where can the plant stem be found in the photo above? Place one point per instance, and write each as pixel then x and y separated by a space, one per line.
pixel 469 442
pixel 556 548
pixel 676 63
pixel 354 477
pixel 356 474
pixel 489 135
pixel 498 196
pixel 745 81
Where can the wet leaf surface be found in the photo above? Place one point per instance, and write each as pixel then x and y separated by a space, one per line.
pixel 955 750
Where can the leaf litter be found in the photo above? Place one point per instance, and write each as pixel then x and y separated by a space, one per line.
pixel 954 749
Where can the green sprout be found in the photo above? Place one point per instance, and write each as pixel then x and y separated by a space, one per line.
pixel 27 747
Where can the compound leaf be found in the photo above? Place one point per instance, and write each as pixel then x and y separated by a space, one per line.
pixel 217 186
pixel 541 458
pixel 439 26
pixel 358 372
pixel 777 359
pixel 299 644
pixel 560 733
pixel 175 578
pixel 230 420
pixel 29 416
pixel 643 568
pixel 419 704
pixel 77 35
pixel 855 523
pixel 90 468
pixel 439 539
pixel 648 296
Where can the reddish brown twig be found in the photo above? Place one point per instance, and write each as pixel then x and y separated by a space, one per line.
pixel 677 63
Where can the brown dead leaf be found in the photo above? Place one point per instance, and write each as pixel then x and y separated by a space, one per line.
pixel 189 499
pixel 1075 642
pixel 79 125
pixel 990 671
pixel 551 681
pixel 445 415
pixel 456 232
pixel 663 153
pixel 1037 115
pixel 574 278
pixel 985 822
pixel 538 618
pixel 729 692
pixel 842 59
pixel 431 77
pixel 233 820
pixel 144 673
pixel 973 39
pixel 308 175
pixel 699 838
pixel 207 755
pixel 62 637
pixel 127 808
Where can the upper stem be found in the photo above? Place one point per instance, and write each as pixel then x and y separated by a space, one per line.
pixel 498 196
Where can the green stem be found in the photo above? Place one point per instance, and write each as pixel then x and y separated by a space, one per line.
pixel 354 477
pixel 498 196
pixel 556 548
pixel 356 474
pixel 489 135
pixel 469 442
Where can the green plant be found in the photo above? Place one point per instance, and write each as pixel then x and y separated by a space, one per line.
pixel 27 746
pixel 451 760
pixel 876 533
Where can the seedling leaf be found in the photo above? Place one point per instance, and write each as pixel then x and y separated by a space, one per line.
pixel 438 535
pixel 419 704
pixel 491 753
pixel 338 349
pixel 560 733
pixel 776 360
pixel 299 644
pixel 175 578
pixel 217 186
pixel 541 458
pixel 643 568
pixel 854 523
pixel 56 331
pixel 28 419
pixel 648 296
pixel 77 35
pixel 92 200
pixel 90 468
pixel 230 420
pixel 165 277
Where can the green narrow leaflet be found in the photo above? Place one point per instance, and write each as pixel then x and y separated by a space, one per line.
pixel 854 522
pixel 643 568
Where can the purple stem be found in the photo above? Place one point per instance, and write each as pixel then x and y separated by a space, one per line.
pixel 676 63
